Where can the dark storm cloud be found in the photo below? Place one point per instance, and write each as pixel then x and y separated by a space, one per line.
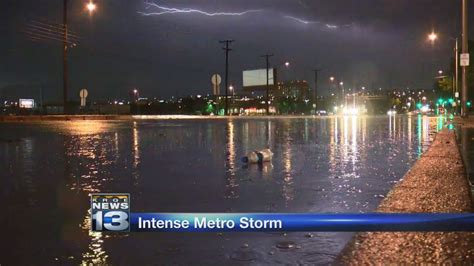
pixel 365 42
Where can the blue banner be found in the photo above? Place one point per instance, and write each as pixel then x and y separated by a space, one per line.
pixel 279 222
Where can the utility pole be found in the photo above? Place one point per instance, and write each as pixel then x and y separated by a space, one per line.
pixel 226 49
pixel 65 51
pixel 464 67
pixel 267 57
pixel 315 91
pixel 456 80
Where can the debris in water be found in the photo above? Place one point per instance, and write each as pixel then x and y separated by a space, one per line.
pixel 286 245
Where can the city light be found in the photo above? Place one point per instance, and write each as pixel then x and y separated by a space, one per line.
pixel 341 83
pixel 350 111
pixel 91 7
pixel 391 112
pixel 331 79
pixel 287 64
pixel 432 37
pixel 425 109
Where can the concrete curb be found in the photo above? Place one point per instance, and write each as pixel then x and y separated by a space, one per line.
pixel 436 183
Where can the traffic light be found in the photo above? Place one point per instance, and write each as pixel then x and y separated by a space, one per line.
pixel 468 104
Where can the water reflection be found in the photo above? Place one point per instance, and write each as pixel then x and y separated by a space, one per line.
pixel 288 190
pixel 345 152
pixel 136 154
pixel 231 191
pixel 95 255
pixel 322 164
pixel 90 151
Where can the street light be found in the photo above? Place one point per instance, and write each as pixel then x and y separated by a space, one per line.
pixel 432 37
pixel 91 7
pixel 343 93
pixel 331 79
pixel 135 95
pixel 287 64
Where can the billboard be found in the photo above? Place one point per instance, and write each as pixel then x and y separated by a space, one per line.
pixel 26 103
pixel 258 77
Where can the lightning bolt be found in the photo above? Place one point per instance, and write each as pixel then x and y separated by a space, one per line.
pixel 332 26
pixel 162 10
pixel 327 25
pixel 302 20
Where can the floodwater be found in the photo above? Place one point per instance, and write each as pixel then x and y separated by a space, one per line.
pixel 331 164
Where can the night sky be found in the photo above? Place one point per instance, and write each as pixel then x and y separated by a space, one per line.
pixel 122 46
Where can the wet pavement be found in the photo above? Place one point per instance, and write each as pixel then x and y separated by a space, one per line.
pixel 344 164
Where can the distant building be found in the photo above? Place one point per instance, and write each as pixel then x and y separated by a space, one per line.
pixel 293 88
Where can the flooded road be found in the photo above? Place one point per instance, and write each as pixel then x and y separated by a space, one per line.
pixel 333 164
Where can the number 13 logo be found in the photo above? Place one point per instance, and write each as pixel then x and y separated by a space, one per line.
pixel 117 221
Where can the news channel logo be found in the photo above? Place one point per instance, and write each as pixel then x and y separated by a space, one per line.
pixel 110 212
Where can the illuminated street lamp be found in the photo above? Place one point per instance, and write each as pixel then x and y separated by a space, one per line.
pixel 331 79
pixel 432 37
pixel 91 7
pixel 343 93
pixel 287 64
pixel 135 95
pixel 440 72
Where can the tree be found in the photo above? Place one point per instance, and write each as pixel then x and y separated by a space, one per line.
pixel 444 86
